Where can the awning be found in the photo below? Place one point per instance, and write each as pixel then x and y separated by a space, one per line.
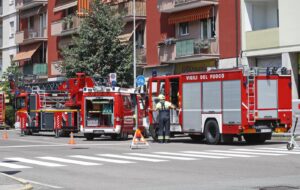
pixel 190 15
pixel 25 55
pixel 65 6
pixel 83 7
pixel 127 32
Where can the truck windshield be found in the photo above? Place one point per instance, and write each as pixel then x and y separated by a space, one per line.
pixel 100 112
pixel 20 103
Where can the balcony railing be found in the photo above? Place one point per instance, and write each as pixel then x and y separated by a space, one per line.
pixel 181 5
pixel 175 49
pixel 66 26
pixel 26 4
pixel 126 8
pixel 30 36
pixel 55 71
pixel 261 39
pixel 40 69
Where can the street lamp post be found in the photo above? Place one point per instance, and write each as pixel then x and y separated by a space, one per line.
pixel 134 46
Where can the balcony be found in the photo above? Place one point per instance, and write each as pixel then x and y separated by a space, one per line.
pixel 126 9
pixel 55 71
pixel 27 4
pixel 141 56
pixel 61 5
pixel 173 50
pixel 67 26
pixel 31 36
pixel 35 71
pixel 261 39
pixel 171 6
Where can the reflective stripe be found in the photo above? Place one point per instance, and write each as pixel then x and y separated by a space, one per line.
pixel 160 137
pixel 167 137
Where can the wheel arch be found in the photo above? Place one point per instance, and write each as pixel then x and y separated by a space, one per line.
pixel 216 117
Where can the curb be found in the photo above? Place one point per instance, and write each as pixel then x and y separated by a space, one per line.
pixel 26 185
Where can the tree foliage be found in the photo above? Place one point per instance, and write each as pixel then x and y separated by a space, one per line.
pixel 96 50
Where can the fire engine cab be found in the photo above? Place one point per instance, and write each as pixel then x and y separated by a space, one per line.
pixel 219 105
pixel 111 111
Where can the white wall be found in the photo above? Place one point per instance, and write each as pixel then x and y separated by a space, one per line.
pixel 289 14
pixel 8 46
pixel 227 63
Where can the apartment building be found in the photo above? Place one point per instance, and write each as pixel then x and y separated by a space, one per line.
pixel 192 35
pixel 270 35
pixel 8 48
pixel 31 37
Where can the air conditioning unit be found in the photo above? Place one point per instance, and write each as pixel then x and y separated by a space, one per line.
pixel 32 34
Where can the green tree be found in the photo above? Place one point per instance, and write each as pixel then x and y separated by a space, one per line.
pixel 14 73
pixel 96 50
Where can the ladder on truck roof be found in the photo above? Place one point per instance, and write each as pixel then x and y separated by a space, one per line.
pixel 251 95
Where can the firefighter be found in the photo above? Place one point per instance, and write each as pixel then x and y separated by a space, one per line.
pixel 163 107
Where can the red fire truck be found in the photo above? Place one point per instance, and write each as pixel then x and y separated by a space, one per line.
pixel 112 112
pixel 2 110
pixel 51 106
pixel 219 105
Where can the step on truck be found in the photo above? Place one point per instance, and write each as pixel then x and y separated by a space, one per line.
pixel 219 105
pixel 112 111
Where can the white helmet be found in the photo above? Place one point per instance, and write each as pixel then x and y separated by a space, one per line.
pixel 161 97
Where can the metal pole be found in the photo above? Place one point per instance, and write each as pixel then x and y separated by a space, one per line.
pixel 237 33
pixel 134 46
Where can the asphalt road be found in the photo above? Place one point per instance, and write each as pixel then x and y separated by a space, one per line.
pixel 50 163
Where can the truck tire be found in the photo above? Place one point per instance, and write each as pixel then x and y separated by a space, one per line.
pixel 197 138
pixel 89 137
pixel 212 132
pixel 256 138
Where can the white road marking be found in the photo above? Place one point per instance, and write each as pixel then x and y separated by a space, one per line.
pixel 69 161
pixel 161 156
pixel 249 153
pixel 36 162
pixel 26 140
pixel 58 145
pixel 131 158
pixel 284 149
pixel 219 153
pixel 191 155
pixel 44 184
pixel 269 151
pixel 102 159
pixel 13 166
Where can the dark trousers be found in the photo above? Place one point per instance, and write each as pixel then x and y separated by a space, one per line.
pixel 164 125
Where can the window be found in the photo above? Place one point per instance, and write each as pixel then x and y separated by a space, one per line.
pixel 12 29
pixel 207 28
pixel 31 22
pixel 11 2
pixel 127 103
pixel 184 29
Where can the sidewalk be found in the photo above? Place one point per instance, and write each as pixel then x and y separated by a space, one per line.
pixel 8 182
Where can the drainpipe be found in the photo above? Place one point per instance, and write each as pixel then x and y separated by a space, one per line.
pixel 236 33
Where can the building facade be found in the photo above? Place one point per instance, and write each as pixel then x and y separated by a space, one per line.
pixel 190 35
pixel 65 18
pixel 32 37
pixel 8 26
pixel 270 36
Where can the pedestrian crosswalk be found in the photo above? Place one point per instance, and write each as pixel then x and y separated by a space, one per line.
pixel 138 157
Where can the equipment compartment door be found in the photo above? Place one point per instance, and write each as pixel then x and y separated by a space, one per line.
pixel 231 102
pixel 191 105
pixel 267 100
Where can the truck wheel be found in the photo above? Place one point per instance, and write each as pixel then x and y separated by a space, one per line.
pixel 256 138
pixel 89 137
pixel 153 129
pixel 197 138
pixel 212 133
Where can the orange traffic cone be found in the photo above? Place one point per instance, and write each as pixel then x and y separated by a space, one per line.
pixel 71 141
pixel 138 140
pixel 5 135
